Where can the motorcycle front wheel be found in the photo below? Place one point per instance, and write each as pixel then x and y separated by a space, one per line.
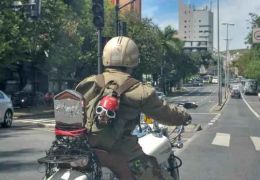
pixel 70 174
pixel 174 166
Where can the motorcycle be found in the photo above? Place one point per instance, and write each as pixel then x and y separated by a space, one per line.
pixel 71 157
pixel 156 141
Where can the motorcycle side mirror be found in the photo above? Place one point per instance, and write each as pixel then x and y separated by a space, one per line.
pixel 190 105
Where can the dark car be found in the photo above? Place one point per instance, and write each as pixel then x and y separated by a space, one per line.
pixel 235 93
pixel 197 82
pixel 24 99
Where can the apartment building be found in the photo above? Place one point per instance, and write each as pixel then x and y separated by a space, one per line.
pixel 195 27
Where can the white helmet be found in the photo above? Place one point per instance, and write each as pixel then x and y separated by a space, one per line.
pixel 121 52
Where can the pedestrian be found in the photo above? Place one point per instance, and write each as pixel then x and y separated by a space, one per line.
pixel 120 56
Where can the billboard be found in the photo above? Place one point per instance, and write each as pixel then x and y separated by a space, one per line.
pixel 256 35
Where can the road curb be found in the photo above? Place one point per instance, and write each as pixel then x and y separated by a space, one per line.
pixel 217 108
pixel 193 128
pixel 42 125
pixel 25 116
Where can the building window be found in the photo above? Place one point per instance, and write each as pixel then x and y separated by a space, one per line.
pixel 185 21
pixel 199 20
pixel 204 26
pixel 185 26
pixel 203 36
pixel 185 37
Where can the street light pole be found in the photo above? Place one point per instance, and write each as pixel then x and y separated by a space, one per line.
pixel 219 65
pixel 117 12
pixel 227 58
pixel 117 9
pixel 31 10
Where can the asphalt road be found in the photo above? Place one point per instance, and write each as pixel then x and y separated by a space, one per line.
pixel 229 149
pixel 253 102
pixel 22 145
pixel 206 97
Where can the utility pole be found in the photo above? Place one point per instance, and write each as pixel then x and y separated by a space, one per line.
pixel 227 58
pixel 219 65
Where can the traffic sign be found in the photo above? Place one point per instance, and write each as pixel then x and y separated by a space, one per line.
pixel 256 35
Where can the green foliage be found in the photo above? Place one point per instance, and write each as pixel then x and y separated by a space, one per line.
pixel 249 63
pixel 63 42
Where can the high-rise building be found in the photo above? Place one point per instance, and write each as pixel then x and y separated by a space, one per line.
pixel 195 27
pixel 135 6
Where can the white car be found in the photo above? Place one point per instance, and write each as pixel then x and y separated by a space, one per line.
pixel 161 95
pixel 6 110
pixel 214 80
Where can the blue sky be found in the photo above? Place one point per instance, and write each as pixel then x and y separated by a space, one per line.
pixel 165 12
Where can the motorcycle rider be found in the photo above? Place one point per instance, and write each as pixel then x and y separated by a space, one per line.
pixel 122 153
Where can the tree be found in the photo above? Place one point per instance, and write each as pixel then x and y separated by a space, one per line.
pixel 249 63
pixel 62 43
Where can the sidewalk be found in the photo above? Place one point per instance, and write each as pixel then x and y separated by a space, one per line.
pixel 217 107
pixel 34 112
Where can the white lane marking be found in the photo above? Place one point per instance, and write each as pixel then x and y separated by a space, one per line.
pixel 251 109
pixel 221 139
pixel 256 142
pixel 83 177
pixel 66 175
pixel 35 120
pixel 212 121
pixel 204 113
pixel 253 102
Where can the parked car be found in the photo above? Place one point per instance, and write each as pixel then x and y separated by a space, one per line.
pixel 6 110
pixel 26 98
pixel 250 87
pixel 258 96
pixel 207 79
pixel 161 95
pixel 214 80
pixel 197 82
